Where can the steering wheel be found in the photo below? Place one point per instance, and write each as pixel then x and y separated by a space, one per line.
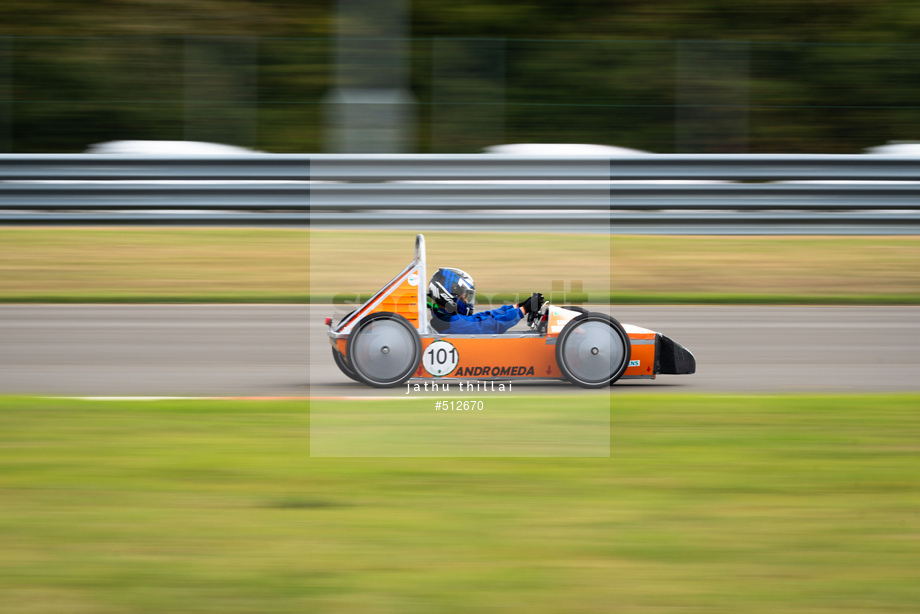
pixel 534 310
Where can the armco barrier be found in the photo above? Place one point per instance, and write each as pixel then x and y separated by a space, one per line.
pixel 644 193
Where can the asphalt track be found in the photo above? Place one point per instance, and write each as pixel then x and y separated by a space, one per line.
pixel 282 351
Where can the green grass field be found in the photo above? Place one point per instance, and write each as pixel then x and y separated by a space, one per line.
pixel 298 265
pixel 706 504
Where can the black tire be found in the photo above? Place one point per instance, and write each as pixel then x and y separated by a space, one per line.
pixel 342 364
pixel 592 351
pixel 384 350
pixel 340 361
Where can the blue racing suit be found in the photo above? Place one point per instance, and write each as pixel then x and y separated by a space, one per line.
pixel 495 321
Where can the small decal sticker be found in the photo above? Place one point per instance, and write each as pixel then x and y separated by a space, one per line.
pixel 634 363
pixel 412 279
pixel 440 358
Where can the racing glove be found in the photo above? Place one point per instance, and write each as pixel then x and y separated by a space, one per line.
pixel 533 303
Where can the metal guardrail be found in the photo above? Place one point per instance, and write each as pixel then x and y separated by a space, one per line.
pixel 459 167
pixel 409 196
pixel 643 193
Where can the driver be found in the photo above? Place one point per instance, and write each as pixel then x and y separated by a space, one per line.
pixel 451 294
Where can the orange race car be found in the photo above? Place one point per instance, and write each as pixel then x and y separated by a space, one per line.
pixel 388 340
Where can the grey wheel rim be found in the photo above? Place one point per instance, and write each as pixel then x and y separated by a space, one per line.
pixel 593 351
pixel 384 350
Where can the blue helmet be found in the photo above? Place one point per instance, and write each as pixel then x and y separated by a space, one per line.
pixel 452 291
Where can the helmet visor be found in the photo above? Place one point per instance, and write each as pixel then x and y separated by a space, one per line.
pixel 467 296
pixel 465 301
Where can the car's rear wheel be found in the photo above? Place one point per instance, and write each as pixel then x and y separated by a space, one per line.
pixel 593 350
pixel 340 361
pixel 384 350
pixel 342 364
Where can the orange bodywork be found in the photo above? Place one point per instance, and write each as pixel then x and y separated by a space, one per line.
pixel 403 300
pixel 399 296
pixel 642 353
pixel 498 357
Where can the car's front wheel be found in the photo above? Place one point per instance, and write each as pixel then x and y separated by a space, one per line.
pixel 593 350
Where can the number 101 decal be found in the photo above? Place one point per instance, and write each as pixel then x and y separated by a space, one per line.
pixel 440 358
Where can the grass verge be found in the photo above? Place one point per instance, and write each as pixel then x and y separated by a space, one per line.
pixel 706 504
pixel 298 265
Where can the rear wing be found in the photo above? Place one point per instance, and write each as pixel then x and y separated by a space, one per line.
pixel 405 294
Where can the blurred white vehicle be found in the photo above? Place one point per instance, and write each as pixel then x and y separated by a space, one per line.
pixel 168 148
pixel 562 149
pixel 584 149
pixel 895 148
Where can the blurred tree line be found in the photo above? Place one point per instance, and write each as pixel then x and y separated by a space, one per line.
pixel 689 75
